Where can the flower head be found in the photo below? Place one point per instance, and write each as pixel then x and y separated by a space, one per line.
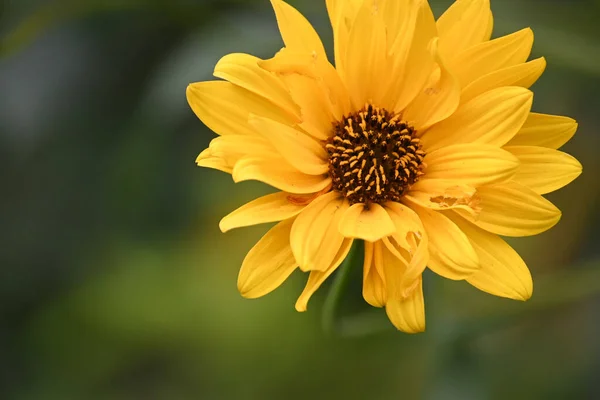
pixel 420 141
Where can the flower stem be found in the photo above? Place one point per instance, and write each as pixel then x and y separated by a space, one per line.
pixel 340 282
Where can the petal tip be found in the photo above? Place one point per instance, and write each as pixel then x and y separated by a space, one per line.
pixel 244 289
pixel 573 126
pixel 578 168
pixel 188 90
pixel 528 293
pixel 527 32
pixel 301 305
pixel 201 157
pixel 223 226
pixel 556 218
pixel 192 89
pixel 304 267
pixel 543 61
pixel 525 292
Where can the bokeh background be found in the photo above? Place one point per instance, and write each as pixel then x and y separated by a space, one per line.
pixel 116 283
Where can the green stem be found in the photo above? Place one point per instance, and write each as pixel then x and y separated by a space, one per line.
pixel 340 282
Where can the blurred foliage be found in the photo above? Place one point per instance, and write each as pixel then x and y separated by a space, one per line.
pixel 117 284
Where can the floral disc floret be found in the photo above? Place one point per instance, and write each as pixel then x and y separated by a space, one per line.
pixel 374 156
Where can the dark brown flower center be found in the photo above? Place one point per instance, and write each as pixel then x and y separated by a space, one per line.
pixel 374 156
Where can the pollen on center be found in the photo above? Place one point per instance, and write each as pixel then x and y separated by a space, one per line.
pixel 374 156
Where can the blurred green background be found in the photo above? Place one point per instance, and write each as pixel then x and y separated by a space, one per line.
pixel 116 283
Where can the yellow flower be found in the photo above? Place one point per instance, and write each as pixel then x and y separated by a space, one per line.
pixel 420 141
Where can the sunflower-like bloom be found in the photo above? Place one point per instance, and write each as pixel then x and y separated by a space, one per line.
pixel 420 142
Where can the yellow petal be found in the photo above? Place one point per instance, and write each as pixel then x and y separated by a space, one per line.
pixel 441 194
pixel 491 56
pixel 465 24
pixel 224 107
pixel 316 278
pixel 491 118
pixel 208 160
pixel 288 63
pixel 243 70
pixel 401 19
pixel 233 147
pixel 544 170
pixel 315 238
pixel 268 263
pixel 342 14
pixel 276 171
pixel 297 33
pixel 368 223
pixel 410 241
pixel 408 314
pixel 450 252
pixel 270 208
pixel 550 131
pixel 406 223
pixel 438 99
pixel 365 59
pixel 511 209
pixel 301 151
pixel 503 272
pixel 315 107
pixel 398 17
pixel 392 266
pixel 374 291
pixel 416 67
pixel 471 164
pixel 224 151
pixel 523 75
pixel 407 273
